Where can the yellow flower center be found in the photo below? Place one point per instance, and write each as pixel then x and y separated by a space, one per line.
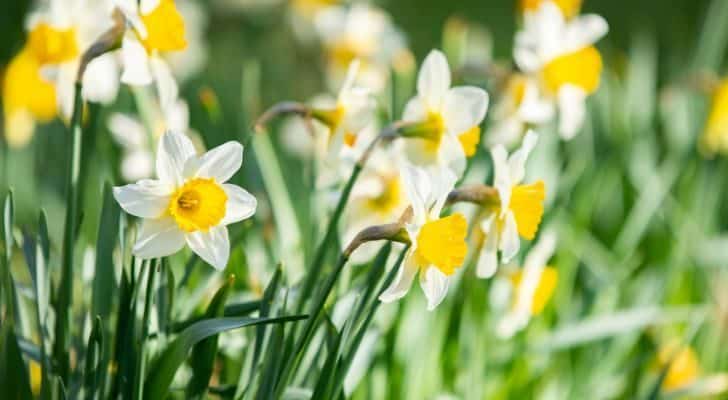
pixel 52 45
pixel 715 138
pixel 684 368
pixel 441 243
pixel 344 52
pixel 581 68
pixel 390 197
pixel 527 206
pixel 568 7
pixel 517 89
pixel 165 28
pixel 309 7
pixel 544 290
pixel 198 205
pixel 469 140
pixel 349 139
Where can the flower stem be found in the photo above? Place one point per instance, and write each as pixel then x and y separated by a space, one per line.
pixel 141 362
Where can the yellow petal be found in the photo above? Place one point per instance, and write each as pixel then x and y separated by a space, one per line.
pixel 51 45
pixel 165 28
pixel 544 290
pixel 469 140
pixel 568 7
pixel 527 206
pixel 442 243
pixel 581 68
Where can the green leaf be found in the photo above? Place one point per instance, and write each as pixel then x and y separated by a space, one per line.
pixel 165 366
pixel 7 236
pixel 94 368
pixel 203 354
pixel 13 373
pixel 107 237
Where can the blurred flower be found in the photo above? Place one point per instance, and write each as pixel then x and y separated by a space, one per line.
pixel 518 212
pixel 437 245
pixel 446 128
pixel 715 137
pixel 36 376
pixel 562 56
pixel 189 62
pixel 528 289
pixel 683 368
pixel 569 8
pixel 360 32
pixel 189 202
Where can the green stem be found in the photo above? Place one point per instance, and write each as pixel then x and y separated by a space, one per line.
pixel 65 288
pixel 141 362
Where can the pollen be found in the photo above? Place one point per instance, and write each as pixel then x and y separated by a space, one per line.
pixel 527 206
pixel 684 368
pixel 441 243
pixel 715 138
pixel 165 28
pixel 469 140
pixel 198 205
pixel 544 290
pixel 569 8
pixel 581 68
pixel 51 45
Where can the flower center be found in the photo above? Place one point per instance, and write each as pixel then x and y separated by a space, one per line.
pixel 544 289
pixel 527 206
pixel 581 68
pixel 469 140
pixel 568 7
pixel 198 205
pixel 25 88
pixel 441 243
pixel 165 28
pixel 52 45
pixel 309 7
pixel 390 197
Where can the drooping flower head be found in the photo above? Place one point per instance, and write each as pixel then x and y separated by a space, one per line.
pixel 560 53
pixel 189 202
pixel 447 119
pixel 518 211
pixel 438 245
pixel 715 136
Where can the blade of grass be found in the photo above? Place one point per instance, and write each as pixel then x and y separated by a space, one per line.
pixel 13 374
pixel 93 371
pixel 141 361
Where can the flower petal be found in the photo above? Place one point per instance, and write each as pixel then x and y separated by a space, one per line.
pixel 452 155
pixel 135 60
pixel 443 180
pixel 101 79
pixel 127 131
pixel 417 187
pixel 212 246
pixel 488 259
pixel 158 238
pixel 167 89
pixel 433 80
pixel 240 204
pixel 174 150
pixel 145 199
pixel 463 108
pixel 434 283
pixel 414 110
pixel 222 162
pixel 584 31
pixel 137 164
pixel 572 110
pixel 517 160
pixel 509 241
pixel 402 282
pixel 502 179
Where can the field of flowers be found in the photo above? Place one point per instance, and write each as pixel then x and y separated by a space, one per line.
pixel 395 199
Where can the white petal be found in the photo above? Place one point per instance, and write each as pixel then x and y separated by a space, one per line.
pixel 434 283
pixel 452 155
pixel 402 282
pixel 509 242
pixel 212 246
pixel 239 206
pixel 350 79
pixel 414 111
pixel 417 187
pixel 127 131
pixel 572 110
pixel 517 160
pixel 488 258
pixel 177 116
pixel 502 178
pixel 136 165
pixel 172 153
pixel 145 199
pixel 101 79
pixel 130 9
pixel 136 63
pixel 463 108
pixel 222 162
pixel 147 6
pixel 443 180
pixel 65 77
pixel 166 85
pixel 540 254
pixel 433 80
pixel 584 31
pixel 158 238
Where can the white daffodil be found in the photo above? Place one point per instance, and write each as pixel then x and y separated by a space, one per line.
pixel 157 27
pixel 561 54
pixel 527 290
pixel 192 60
pixel 520 105
pixel 361 32
pixel 448 119
pixel 189 202
pixel 437 244
pixel 518 211
pixel 569 8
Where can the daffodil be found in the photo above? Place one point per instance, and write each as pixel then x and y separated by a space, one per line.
pixel 157 27
pixel 437 244
pixel 360 32
pixel 518 210
pixel 683 369
pixel 526 290
pixel 715 137
pixel 445 120
pixel 189 202
pixel 520 105
pixel 560 53
pixel 569 8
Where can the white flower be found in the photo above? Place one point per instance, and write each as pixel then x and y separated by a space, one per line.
pixel 561 54
pixel 438 245
pixel 520 105
pixel 449 117
pixel 529 289
pixel 189 202
pixel 518 211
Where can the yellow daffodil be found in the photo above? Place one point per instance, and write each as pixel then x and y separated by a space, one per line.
pixel 518 212
pixel 438 245
pixel 189 202
pixel 520 105
pixel 560 53
pixel 683 368
pixel 569 8
pixel 447 119
pixel 715 137
pixel 529 288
